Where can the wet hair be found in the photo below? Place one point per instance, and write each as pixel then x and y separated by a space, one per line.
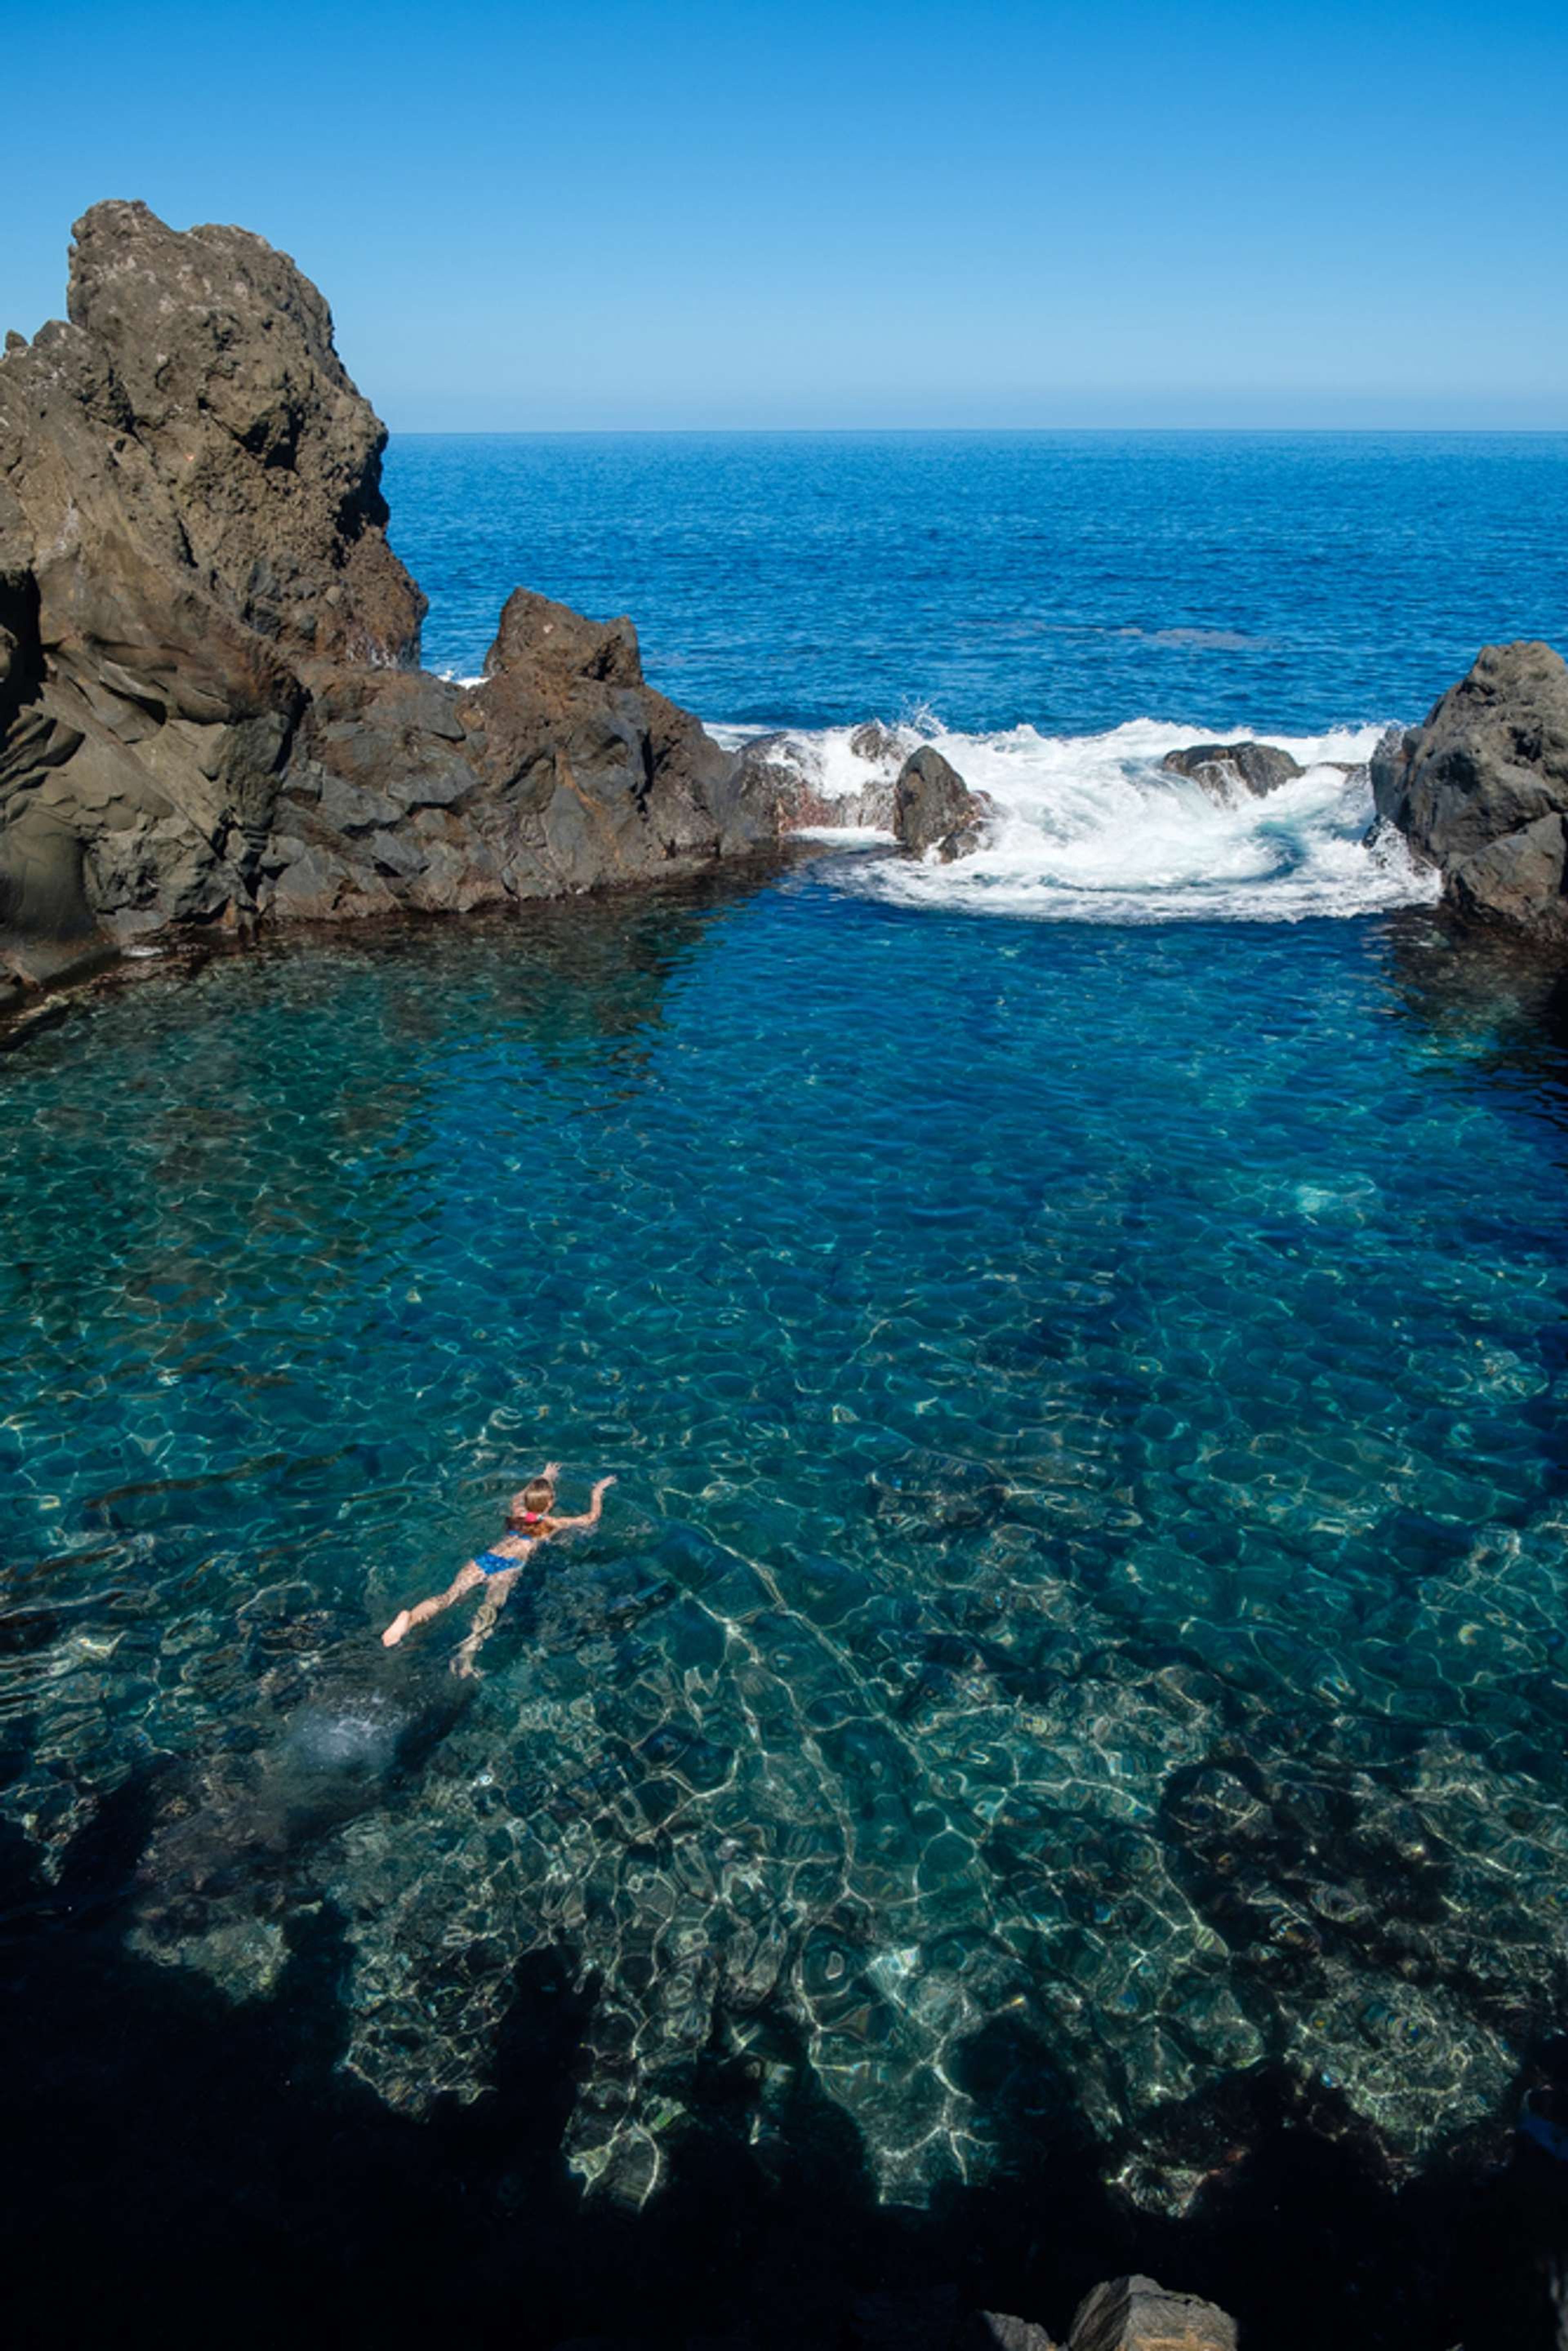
pixel 532 1503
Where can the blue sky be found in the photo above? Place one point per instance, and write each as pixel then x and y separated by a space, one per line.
pixel 809 214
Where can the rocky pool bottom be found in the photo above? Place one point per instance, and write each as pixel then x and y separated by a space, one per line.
pixel 1055 1760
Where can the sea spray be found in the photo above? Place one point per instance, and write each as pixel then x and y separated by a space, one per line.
pixel 1092 828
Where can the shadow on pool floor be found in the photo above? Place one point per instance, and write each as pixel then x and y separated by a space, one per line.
pixel 205 2169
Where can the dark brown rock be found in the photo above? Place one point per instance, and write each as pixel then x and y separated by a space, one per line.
pixel 1228 770
pixel 1518 878
pixel 269 459
pixel 881 746
pixel 592 774
pixel 1481 790
pixel 779 778
pixel 1133 2313
pixel 208 709
pixel 934 808
pixel 781 774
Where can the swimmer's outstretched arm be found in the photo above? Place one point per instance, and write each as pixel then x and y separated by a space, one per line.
pixel 592 1516
pixel 407 1618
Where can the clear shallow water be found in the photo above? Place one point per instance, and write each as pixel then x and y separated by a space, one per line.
pixel 1082 1609
pixel 1089 1552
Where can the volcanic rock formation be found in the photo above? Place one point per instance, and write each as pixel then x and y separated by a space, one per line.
pixel 210 707
pixel 934 808
pixel 1226 770
pixel 1481 790
pixel 799 779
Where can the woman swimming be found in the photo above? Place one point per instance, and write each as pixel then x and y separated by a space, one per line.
pixel 532 1519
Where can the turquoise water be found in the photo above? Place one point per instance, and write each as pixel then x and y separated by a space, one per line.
pixel 1088 1559
pixel 1089 1536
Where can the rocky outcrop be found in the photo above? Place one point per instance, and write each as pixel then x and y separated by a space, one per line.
pixel 1481 790
pixel 934 808
pixel 1226 772
pixel 606 779
pixel 193 429
pixel 209 712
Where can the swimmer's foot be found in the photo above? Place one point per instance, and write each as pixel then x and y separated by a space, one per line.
pixel 464 1668
pixel 396 1629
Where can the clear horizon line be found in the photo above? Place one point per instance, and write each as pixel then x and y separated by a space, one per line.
pixel 819 432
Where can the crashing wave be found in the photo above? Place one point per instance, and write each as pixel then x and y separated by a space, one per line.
pixel 1092 828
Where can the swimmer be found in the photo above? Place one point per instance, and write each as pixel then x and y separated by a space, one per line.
pixel 532 1519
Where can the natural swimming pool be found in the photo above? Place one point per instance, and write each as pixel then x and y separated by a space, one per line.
pixel 1087 1564
pixel 1063 1723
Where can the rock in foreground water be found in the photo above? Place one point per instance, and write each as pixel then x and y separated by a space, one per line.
pixel 1481 790
pixel 210 708
pixel 1227 770
pixel 934 808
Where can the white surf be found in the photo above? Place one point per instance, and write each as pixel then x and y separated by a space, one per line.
pixel 1090 828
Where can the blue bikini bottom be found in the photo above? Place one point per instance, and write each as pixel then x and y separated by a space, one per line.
pixel 498 1562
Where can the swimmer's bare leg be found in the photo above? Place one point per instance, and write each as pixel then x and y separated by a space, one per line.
pixel 498 1592
pixel 407 1618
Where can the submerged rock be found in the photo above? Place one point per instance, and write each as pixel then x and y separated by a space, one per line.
pixel 1133 2313
pixel 994 2330
pixel 934 808
pixel 1224 771
pixel 1480 789
pixel 209 712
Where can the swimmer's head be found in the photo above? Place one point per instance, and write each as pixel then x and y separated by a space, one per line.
pixel 537 1497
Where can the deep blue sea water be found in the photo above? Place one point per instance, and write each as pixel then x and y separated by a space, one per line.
pixel 1071 581
pixel 1082 1343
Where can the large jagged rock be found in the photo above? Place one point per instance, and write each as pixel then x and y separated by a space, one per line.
pixel 209 708
pixel 934 808
pixel 602 777
pixel 242 424
pixel 1481 790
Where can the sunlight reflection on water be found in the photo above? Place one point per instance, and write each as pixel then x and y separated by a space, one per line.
pixel 1081 1612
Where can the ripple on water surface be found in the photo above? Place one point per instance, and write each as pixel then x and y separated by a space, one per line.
pixel 1081 1612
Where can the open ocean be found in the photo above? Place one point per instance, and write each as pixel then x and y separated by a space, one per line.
pixel 1074 1669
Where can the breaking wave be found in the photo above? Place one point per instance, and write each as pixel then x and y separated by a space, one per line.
pixel 1090 828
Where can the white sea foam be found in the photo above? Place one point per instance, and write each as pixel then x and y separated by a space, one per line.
pixel 1090 828
pixel 357 1734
